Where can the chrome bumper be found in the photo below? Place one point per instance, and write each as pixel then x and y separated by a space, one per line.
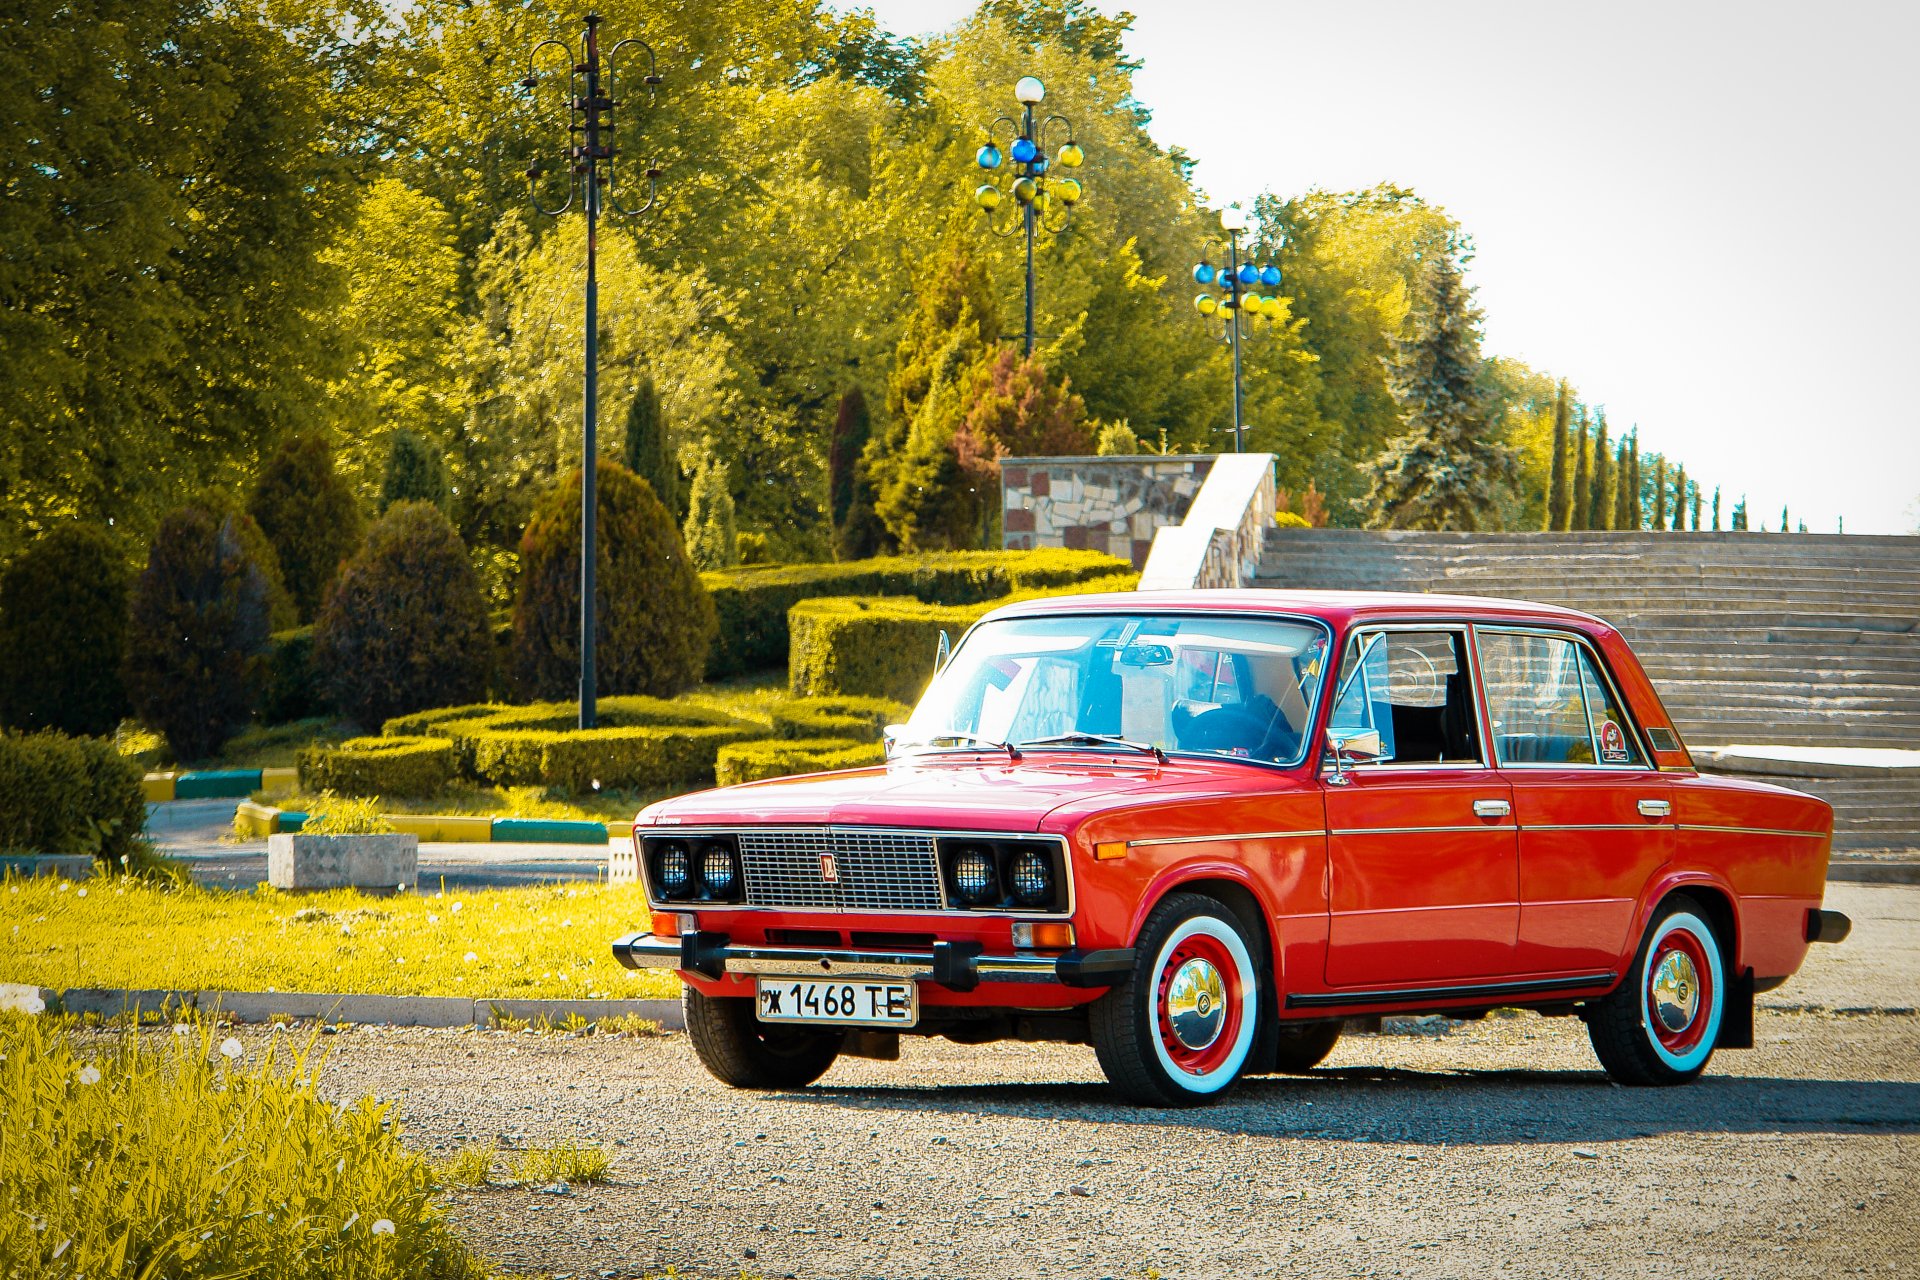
pixel 960 966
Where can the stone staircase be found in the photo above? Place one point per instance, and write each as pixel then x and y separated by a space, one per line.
pixel 1798 640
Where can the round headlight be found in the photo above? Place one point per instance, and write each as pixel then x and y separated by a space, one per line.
pixel 974 878
pixel 1032 879
pixel 676 870
pixel 716 869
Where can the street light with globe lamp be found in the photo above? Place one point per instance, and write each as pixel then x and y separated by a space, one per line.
pixel 1034 186
pixel 1238 279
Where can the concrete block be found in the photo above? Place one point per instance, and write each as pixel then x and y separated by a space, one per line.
pixel 255 821
pixel 68 866
pixel 396 1011
pixel 279 782
pixel 623 865
pixel 338 862
pixel 158 787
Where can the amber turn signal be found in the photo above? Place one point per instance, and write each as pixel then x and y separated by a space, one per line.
pixel 1107 850
pixel 673 924
pixel 1048 936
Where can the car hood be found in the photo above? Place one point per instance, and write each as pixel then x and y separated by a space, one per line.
pixel 965 790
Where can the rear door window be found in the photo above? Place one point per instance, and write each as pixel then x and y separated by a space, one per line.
pixel 1549 704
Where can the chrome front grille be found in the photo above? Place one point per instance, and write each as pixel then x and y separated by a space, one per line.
pixel 873 869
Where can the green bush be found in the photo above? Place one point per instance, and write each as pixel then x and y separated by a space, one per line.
pixel 752 602
pixel 884 647
pixel 196 634
pixel 859 719
pixel 414 473
pixel 282 613
pixel 379 767
pixel 782 757
pixel 186 1157
pixel 63 629
pixel 69 795
pixel 293 690
pixel 654 622
pixel 405 626
pixel 310 517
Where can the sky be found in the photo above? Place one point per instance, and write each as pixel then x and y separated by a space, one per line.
pixel 1701 213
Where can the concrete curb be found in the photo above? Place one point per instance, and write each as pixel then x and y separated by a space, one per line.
pixel 259 821
pixel 394 1011
pixel 1865 872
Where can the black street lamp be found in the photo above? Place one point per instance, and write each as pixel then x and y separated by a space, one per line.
pixel 587 158
pixel 1238 279
pixel 1034 187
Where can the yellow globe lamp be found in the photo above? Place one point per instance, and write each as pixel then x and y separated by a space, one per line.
pixel 1069 190
pixel 1071 155
pixel 987 196
pixel 1024 190
pixel 1271 308
pixel 1205 304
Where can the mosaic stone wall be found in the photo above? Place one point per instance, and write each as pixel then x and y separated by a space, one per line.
pixel 1100 504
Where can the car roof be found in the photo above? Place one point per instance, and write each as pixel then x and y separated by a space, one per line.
pixel 1337 607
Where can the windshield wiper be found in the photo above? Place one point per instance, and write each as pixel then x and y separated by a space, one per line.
pixel 1097 739
pixel 961 735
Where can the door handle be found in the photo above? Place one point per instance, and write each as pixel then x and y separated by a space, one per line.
pixel 1656 808
pixel 1491 808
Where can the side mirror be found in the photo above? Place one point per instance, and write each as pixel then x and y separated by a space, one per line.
pixel 1349 747
pixel 889 736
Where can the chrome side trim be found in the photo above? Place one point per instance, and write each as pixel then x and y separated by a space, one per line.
pixel 1467 994
pixel 1749 831
pixel 1408 831
pixel 1240 835
pixel 1597 826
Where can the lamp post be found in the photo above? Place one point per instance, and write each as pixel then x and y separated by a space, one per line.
pixel 1238 279
pixel 1034 187
pixel 587 157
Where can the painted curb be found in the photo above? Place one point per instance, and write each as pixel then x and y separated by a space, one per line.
pixel 258 821
pixel 393 1011
pixel 216 784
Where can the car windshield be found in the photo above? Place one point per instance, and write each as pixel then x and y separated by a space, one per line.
pixel 1214 684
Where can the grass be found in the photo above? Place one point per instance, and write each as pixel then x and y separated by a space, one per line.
pixel 269 746
pixel 548 941
pixel 498 802
pixel 569 1162
pixel 171 1155
pixel 470 1166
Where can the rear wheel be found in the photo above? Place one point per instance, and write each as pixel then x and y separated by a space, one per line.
pixel 1305 1045
pixel 747 1053
pixel 1659 1026
pixel 1177 1031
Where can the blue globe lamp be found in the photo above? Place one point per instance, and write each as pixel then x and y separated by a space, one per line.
pixel 988 157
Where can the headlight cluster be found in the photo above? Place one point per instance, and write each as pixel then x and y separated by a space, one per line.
pixel 1003 875
pixel 702 869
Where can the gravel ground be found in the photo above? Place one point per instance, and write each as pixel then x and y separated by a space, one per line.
pixel 1490 1148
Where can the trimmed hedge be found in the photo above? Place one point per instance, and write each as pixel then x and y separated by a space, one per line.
pixel 780 758
pixel 69 795
pixel 753 602
pixel 858 719
pixel 379 767
pixel 884 647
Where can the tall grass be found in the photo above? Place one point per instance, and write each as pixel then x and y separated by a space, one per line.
pixel 174 1155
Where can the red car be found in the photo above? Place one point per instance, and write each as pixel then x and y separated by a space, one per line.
pixel 1199 830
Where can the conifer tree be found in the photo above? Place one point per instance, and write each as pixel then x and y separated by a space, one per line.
pixel 857 531
pixel 1716 508
pixel 1582 477
pixel 1659 495
pixel 1623 487
pixel 1699 495
pixel 1739 522
pixel 648 450
pixel 414 473
pixel 1558 494
pixel 1783 520
pixel 1442 472
pixel 1680 501
pixel 309 515
pixel 1600 495
pixel 1636 512
pixel 710 520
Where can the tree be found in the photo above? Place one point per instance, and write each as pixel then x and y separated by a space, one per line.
pixel 1660 494
pixel 1739 522
pixel 1558 495
pixel 710 533
pixel 1784 526
pixel 224 507
pixel 1716 508
pixel 1626 486
pixel 196 634
pixel 1014 409
pixel 1600 496
pixel 405 626
pixel 852 428
pixel 1115 439
pixel 1582 477
pixel 649 451
pixel 1682 491
pixel 308 515
pixel 654 621
pixel 414 472
pixel 1442 471
pixel 63 627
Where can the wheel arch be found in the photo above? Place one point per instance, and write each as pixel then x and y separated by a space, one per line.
pixel 1717 900
pixel 1230 887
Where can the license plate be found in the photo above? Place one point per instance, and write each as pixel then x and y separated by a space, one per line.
pixel 847 1002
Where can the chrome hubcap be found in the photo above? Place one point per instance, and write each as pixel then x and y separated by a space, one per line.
pixel 1196 1004
pixel 1676 991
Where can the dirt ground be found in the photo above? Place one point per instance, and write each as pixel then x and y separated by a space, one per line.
pixel 1489 1148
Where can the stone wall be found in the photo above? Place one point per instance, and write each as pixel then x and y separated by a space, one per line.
pixel 1111 504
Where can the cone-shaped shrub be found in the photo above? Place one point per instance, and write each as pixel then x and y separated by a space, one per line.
pixel 309 515
pixel 414 473
pixel 653 619
pixel 282 613
pixel 196 633
pixel 63 627
pixel 405 626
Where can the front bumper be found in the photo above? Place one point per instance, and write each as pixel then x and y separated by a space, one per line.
pixel 959 966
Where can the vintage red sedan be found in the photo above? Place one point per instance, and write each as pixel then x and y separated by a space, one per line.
pixel 1200 830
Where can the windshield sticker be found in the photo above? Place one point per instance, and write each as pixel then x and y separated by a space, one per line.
pixel 1613 744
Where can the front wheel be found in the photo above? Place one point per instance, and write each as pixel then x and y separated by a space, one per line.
pixel 747 1053
pixel 1659 1025
pixel 1177 1030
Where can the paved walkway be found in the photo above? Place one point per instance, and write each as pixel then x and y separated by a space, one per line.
pixel 199 833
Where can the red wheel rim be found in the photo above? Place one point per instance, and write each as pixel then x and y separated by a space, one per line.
pixel 1189 1011
pixel 1680 995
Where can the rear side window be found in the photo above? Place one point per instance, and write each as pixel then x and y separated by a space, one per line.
pixel 1549 705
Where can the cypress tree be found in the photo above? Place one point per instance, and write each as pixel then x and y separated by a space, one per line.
pixel 857 531
pixel 710 533
pixel 1739 522
pixel 1600 495
pixel 648 452
pixel 414 473
pixel 1783 519
pixel 1660 495
pixel 1680 494
pixel 1582 477
pixel 1699 495
pixel 310 517
pixel 1636 511
pixel 1716 508
pixel 1442 472
pixel 1558 494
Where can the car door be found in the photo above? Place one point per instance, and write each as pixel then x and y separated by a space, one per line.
pixel 1423 884
pixel 1594 813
